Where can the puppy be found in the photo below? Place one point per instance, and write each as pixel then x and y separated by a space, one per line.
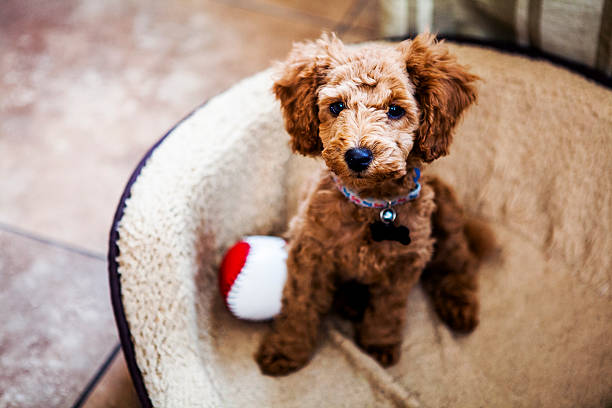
pixel 372 225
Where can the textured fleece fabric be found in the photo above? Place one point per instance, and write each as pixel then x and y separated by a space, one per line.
pixel 533 158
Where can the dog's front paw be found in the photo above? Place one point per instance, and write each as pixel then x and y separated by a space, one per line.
pixel 385 354
pixel 276 361
pixel 460 313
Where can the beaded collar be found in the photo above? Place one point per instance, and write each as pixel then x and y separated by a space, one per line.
pixel 388 214
pixel 375 203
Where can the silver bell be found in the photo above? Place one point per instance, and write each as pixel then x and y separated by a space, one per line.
pixel 387 215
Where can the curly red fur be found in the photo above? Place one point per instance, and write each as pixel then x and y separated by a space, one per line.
pixel 301 74
pixel 443 90
pixel 330 244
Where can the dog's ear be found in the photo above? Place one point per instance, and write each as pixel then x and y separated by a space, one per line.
pixel 297 86
pixel 443 90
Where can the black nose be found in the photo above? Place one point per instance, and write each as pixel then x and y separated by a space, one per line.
pixel 358 159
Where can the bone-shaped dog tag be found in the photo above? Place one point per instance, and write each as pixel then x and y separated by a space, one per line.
pixel 388 232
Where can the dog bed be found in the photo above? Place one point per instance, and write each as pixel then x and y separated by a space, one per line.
pixel 532 159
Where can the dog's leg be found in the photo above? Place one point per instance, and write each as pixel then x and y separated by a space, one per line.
pixel 380 332
pixel 307 295
pixel 450 277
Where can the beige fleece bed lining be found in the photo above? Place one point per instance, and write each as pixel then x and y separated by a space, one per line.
pixel 517 162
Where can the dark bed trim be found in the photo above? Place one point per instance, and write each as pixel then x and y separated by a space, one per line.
pixel 113 252
pixel 513 48
pixel 114 279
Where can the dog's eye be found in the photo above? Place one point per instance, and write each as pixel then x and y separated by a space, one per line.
pixel 337 107
pixel 395 112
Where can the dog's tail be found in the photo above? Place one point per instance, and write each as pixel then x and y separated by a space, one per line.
pixel 449 218
pixel 480 237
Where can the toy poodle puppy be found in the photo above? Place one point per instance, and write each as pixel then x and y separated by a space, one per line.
pixel 372 227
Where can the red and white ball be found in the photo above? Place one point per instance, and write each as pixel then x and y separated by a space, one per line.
pixel 252 277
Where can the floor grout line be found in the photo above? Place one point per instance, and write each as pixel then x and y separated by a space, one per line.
pixel 96 378
pixel 280 12
pixel 350 16
pixel 340 27
pixel 48 241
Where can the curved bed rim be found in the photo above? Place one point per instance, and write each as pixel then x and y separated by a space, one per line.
pixel 114 277
pixel 113 251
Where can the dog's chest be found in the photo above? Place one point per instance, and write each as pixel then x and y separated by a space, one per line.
pixel 368 260
pixel 345 229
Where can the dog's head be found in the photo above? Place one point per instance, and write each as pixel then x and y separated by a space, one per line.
pixel 372 112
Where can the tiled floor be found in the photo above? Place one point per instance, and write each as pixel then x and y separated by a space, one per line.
pixel 85 87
